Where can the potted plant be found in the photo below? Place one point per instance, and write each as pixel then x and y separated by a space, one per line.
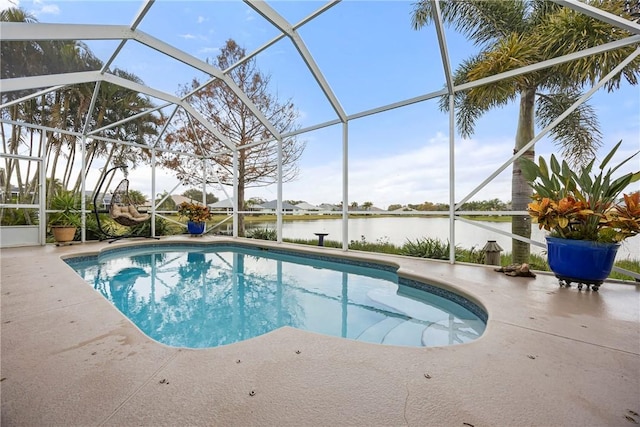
pixel 65 221
pixel 585 215
pixel 196 214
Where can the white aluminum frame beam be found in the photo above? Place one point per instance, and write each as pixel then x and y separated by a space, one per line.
pixel 203 66
pixel 527 69
pixel 601 15
pixel 137 20
pixel 553 124
pixel 49 80
pixel 280 36
pixel 629 41
pixel 268 13
pixel 98 138
pixel 31 96
pixel 26 31
pixel 38 31
pixel 128 119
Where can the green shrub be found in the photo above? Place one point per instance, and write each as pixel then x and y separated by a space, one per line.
pixel 144 229
pixel 436 249
pixel 427 247
pixel 381 245
pixel 67 206
pixel 314 242
pixel 107 224
pixel 536 262
pixel 262 234
pixel 19 216
pixel 473 255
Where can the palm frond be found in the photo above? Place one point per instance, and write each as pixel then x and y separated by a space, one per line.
pixel 421 15
pixel 467 114
pixel 578 135
pixel 568 31
pixel 481 21
pixel 540 11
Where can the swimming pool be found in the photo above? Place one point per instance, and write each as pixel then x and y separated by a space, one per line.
pixel 200 296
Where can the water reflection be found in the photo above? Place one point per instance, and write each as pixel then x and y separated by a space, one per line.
pixel 206 298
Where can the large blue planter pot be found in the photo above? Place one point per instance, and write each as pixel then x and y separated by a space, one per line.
pixel 581 261
pixel 196 227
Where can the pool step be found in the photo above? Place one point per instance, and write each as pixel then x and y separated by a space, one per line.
pixel 376 332
pixel 406 334
pixel 445 333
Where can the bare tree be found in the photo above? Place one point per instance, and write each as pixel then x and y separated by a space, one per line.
pixel 257 164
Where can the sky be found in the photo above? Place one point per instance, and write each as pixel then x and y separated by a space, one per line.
pixel 370 56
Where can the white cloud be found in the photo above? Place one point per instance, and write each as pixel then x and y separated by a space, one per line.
pixel 201 19
pixel 7 4
pixel 49 9
pixel 414 176
pixel 187 36
pixel 45 9
pixel 140 179
pixel 209 50
pixel 249 15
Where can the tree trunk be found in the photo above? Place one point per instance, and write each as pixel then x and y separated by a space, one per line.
pixel 520 189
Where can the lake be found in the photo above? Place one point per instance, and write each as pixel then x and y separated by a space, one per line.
pixel 398 230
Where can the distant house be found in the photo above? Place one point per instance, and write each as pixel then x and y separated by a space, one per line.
pixel 307 207
pixel 363 209
pixel 272 206
pixel 404 209
pixel 222 205
pixel 327 207
pixel 103 200
pixel 181 199
pixel 226 205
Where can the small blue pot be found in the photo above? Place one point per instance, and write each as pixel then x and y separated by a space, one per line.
pixel 581 260
pixel 196 227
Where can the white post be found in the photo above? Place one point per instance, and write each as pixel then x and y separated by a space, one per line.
pixel 279 190
pixel 345 186
pixel 235 193
pixel 43 197
pixel 452 187
pixel 204 182
pixel 83 203
pixel 153 192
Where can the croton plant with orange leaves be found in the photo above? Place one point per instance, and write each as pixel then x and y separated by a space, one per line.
pixel 583 205
pixel 194 211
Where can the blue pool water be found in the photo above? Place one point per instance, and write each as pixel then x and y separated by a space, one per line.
pixel 207 296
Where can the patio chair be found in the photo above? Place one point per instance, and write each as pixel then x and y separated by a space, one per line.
pixel 122 210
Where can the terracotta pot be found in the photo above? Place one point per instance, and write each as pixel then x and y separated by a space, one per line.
pixel 63 234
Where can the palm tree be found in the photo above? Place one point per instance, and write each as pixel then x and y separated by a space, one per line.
pixel 516 33
pixel 17 59
pixel 114 104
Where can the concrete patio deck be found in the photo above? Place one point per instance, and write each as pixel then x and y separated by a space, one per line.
pixel 550 356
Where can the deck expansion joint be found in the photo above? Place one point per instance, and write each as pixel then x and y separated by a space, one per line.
pixel 569 338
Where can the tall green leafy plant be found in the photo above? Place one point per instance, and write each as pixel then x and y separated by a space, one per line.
pixel 67 209
pixel 583 204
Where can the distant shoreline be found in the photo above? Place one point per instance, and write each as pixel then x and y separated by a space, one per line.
pixel 251 218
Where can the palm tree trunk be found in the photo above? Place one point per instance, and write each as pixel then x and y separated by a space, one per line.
pixel 68 170
pixel 54 162
pixel 13 149
pixel 103 172
pixel 520 189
